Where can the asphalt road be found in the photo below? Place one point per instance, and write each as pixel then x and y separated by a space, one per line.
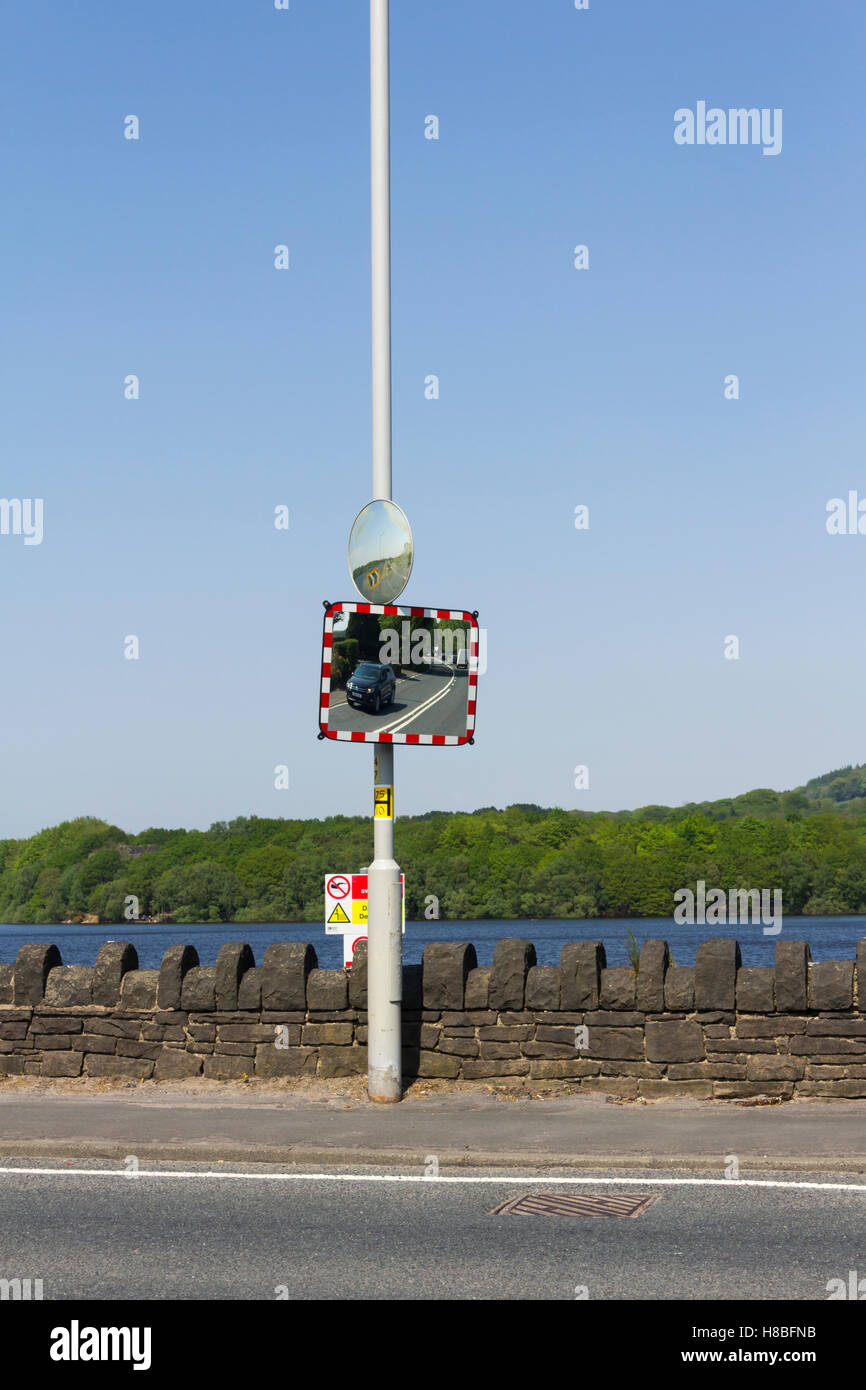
pixel 426 702
pixel 244 1237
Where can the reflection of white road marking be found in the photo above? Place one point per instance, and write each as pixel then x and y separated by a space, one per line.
pixel 406 719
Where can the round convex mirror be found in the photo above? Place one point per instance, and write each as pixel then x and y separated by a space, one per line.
pixel 380 552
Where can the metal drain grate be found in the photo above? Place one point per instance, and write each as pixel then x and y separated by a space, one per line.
pixel 577 1204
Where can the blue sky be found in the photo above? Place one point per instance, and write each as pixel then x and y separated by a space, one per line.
pixel 558 387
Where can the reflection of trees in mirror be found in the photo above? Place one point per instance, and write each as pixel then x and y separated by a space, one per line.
pixel 359 641
pixel 423 641
pixel 385 564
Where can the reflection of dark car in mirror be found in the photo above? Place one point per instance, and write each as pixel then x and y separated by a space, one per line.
pixel 371 686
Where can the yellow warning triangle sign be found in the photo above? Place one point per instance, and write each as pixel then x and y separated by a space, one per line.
pixel 338 915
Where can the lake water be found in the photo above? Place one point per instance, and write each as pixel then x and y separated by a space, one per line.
pixel 830 938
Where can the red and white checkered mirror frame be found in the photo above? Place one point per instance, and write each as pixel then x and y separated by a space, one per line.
pixel 396 611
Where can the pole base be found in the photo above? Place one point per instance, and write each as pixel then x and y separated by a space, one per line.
pixel 384 1100
pixel 384 1085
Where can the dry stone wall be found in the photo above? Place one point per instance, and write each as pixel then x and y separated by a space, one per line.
pixel 718 1029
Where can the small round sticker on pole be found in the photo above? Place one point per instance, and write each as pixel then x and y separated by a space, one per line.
pixel 380 552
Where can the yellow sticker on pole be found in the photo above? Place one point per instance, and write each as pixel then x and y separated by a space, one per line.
pixel 383 803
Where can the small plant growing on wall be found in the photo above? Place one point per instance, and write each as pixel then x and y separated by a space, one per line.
pixel 632 950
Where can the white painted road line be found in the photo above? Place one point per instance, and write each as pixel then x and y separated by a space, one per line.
pixel 404 719
pixel 515 1180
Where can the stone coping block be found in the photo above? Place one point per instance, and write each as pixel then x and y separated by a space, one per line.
pixel 544 987
pixel 358 977
pixel 652 969
pixel 618 985
pixel 327 990
pixel 792 976
pixel 176 962
pixel 139 988
pixel 477 988
pixel 512 958
pixel 285 967
pixel 198 992
pixel 831 985
pixel 32 965
pixel 680 988
pixel 69 986
pixel 113 961
pixel 581 964
pixel 444 970
pixel 756 989
pixel 235 958
pixel 250 989
pixel 716 964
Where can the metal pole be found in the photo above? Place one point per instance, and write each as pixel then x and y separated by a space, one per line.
pixel 384 900
pixel 380 222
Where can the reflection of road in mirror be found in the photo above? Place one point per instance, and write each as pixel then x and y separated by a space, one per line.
pixel 389 576
pixel 432 699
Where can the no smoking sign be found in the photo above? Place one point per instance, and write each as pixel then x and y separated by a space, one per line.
pixel 346 903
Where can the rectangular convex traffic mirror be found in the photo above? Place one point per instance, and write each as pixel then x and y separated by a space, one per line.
pixel 393 674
